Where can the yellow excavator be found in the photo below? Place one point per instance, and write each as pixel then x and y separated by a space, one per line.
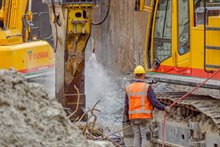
pixel 178 42
pixel 182 47
pixel 20 49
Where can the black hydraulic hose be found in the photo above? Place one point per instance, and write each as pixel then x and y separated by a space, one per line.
pixel 56 23
pixel 54 12
pixel 106 16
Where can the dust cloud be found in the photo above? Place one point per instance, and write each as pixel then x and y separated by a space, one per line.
pixel 47 81
pixel 104 86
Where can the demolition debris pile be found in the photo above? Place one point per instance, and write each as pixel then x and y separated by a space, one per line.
pixel 28 117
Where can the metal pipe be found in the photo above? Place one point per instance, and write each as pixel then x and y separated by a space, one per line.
pixel 205 37
pixel 30 5
pixel 3 3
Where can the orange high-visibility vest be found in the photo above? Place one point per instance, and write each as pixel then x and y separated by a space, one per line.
pixel 139 104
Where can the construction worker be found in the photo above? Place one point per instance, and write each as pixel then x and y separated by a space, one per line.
pixel 139 102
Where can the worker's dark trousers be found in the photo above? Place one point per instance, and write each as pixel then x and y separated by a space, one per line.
pixel 140 129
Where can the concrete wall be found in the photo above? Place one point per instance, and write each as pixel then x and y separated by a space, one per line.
pixel 120 40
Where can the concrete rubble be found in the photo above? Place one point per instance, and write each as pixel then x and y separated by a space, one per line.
pixel 29 117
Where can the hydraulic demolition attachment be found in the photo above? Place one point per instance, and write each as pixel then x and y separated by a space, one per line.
pixel 71 27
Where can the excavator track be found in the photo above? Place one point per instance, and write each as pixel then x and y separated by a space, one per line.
pixel 193 122
pixel 194 104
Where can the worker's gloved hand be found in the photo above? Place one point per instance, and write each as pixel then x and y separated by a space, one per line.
pixel 167 109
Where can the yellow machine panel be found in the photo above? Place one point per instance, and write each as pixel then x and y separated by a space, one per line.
pixel 29 58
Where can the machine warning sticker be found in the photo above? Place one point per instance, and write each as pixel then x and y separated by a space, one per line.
pixel 37 55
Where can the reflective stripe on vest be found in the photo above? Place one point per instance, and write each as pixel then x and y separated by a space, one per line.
pixel 143 94
pixel 141 112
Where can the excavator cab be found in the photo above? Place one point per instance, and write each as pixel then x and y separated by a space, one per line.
pixel 179 43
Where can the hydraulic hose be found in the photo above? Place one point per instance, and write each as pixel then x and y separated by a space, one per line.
pixel 56 22
pixel 181 98
pixel 106 15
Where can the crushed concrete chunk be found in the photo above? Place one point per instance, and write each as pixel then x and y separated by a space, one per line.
pixel 29 117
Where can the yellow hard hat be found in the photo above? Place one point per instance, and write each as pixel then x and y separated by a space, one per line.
pixel 139 70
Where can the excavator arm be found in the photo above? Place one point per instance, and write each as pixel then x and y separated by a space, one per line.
pixel 71 27
pixel 11 15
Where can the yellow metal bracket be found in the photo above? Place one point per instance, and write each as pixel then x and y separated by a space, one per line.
pixel 147 9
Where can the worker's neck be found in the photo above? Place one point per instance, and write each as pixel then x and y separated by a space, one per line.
pixel 140 78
